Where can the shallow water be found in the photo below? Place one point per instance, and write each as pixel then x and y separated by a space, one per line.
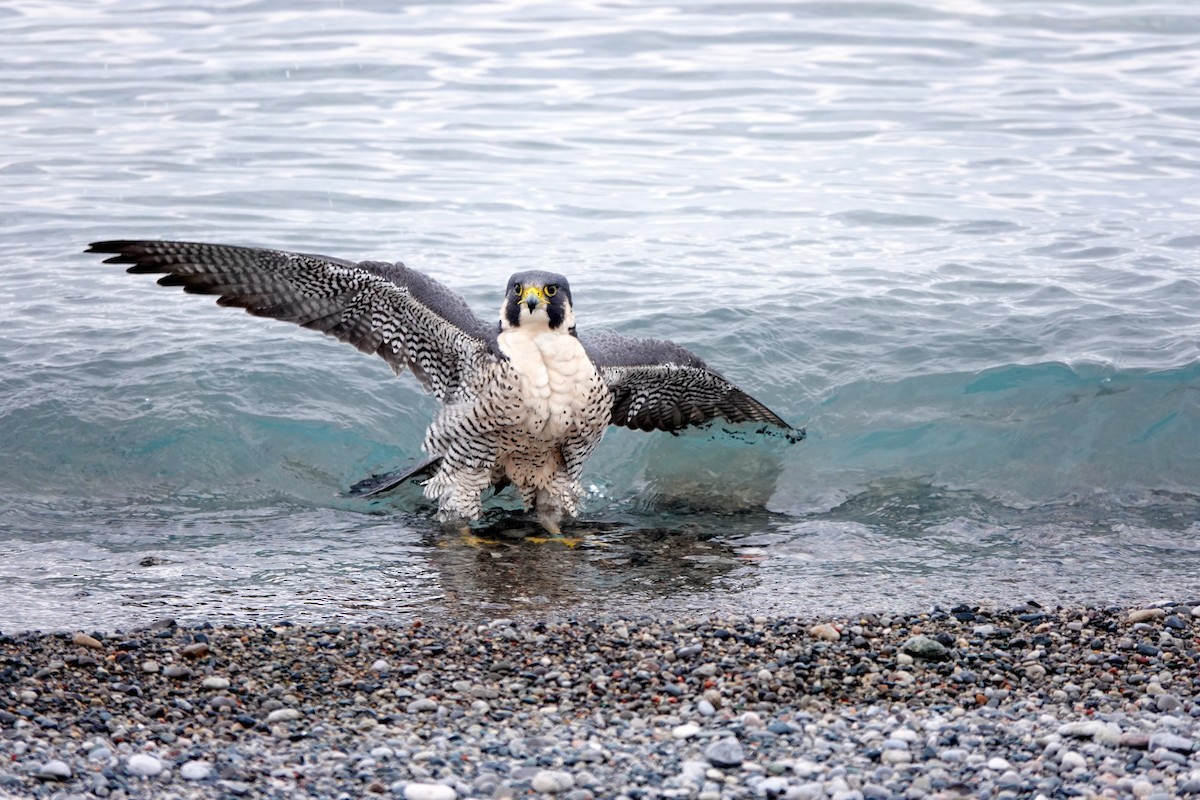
pixel 956 241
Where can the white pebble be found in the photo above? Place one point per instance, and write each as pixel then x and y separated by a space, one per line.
pixel 381 665
pixel 1070 760
pixel 195 770
pixel 150 666
pixel 215 682
pixel 283 715
pixel 56 770
pixel 1083 729
pixel 143 765
pixel 997 764
pixel 1109 735
pixel 825 631
pixel 429 791
pixel 685 731
pixel 552 781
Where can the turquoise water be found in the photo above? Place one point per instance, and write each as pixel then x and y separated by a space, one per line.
pixel 958 242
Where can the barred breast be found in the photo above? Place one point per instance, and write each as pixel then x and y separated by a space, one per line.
pixel 554 382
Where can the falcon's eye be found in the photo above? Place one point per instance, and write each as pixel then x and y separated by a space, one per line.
pixel 551 290
pixel 516 288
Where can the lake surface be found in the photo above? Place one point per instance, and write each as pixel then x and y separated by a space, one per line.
pixel 959 242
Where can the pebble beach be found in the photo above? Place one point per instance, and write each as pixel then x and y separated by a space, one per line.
pixel 955 702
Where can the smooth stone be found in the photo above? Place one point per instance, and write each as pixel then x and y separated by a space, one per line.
pixel 725 753
pixel 552 781
pixel 1070 760
pixel 826 632
pixel 1167 703
pixel 1135 739
pixel 1108 735
pixel 83 640
pixel 1011 779
pixel 771 787
pixel 693 772
pixel 195 770
pixel 1171 741
pixel 895 757
pixel 423 705
pixel 150 666
pixel 142 765
pixel 283 715
pixel 195 650
pixel 54 771
pixel 923 647
pixel 215 682
pixel 381 665
pixel 1145 615
pixel 685 731
pixel 177 671
pixel 1084 729
pixel 429 791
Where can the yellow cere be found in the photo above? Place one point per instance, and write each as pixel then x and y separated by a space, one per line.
pixel 537 291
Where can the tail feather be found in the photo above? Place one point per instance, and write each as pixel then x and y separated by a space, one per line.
pixel 379 484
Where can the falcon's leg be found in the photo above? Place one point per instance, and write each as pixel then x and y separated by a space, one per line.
pixel 458 491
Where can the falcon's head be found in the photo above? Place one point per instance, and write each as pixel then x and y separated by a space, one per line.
pixel 538 298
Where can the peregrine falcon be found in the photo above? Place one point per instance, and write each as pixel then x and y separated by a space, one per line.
pixel 525 400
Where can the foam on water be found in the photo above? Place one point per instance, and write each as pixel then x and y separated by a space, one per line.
pixel 955 242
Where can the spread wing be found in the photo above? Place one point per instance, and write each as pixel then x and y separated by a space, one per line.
pixel 407 318
pixel 659 385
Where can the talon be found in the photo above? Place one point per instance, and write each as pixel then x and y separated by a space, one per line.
pixel 471 540
pixel 567 541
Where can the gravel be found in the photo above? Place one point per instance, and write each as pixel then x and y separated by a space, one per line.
pixel 960 702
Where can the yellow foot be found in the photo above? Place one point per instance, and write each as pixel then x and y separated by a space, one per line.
pixel 567 541
pixel 471 540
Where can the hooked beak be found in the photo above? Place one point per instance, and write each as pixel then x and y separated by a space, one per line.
pixel 533 297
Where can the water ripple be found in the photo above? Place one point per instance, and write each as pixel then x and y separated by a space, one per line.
pixel 954 240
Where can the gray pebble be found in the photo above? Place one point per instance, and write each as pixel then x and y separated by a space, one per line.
pixel 725 753
pixel 926 648
pixel 1170 741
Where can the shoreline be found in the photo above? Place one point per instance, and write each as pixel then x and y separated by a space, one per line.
pixel 964 702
